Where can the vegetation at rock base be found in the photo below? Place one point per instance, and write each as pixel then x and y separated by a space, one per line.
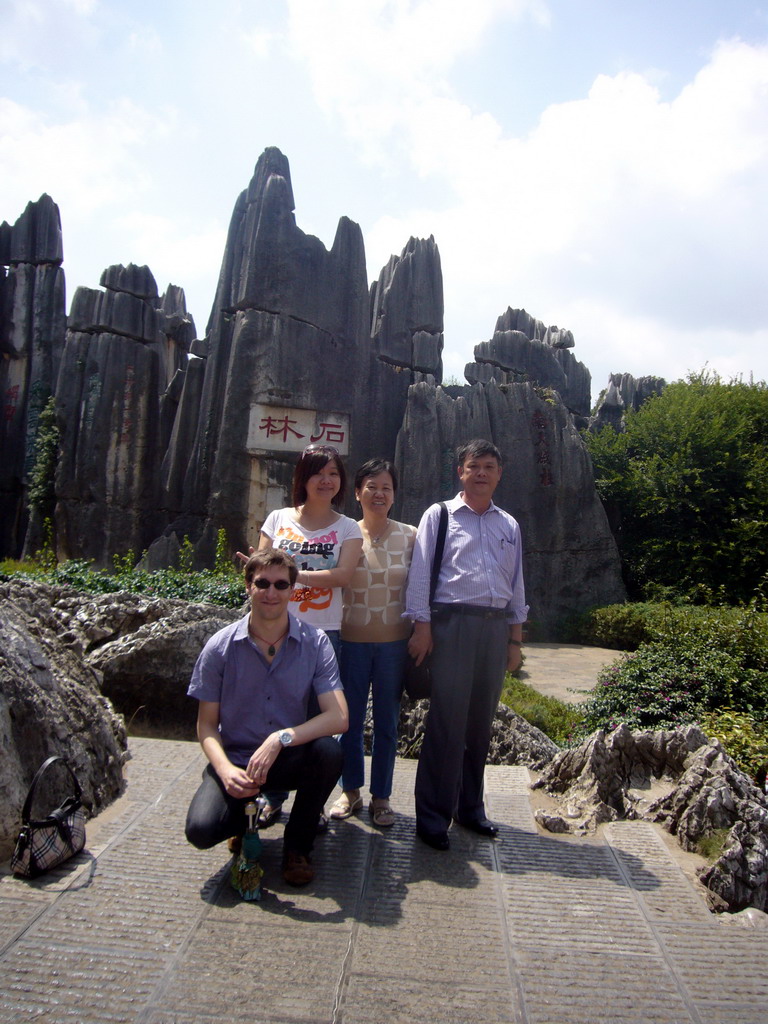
pixel 558 720
pixel 685 486
pixel 42 496
pixel 223 585
pixel 686 664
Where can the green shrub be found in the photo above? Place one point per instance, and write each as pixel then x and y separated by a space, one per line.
pixel 226 589
pixel 659 686
pixel 745 739
pixel 560 721
pixel 678 678
pixel 624 627
pixel 687 483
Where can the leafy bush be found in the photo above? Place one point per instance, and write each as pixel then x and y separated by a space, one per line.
pixel 226 588
pixel 694 668
pixel 660 686
pixel 686 487
pixel 625 627
pixel 745 739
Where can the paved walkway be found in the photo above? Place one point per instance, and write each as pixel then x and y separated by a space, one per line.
pixel 564 671
pixel 531 929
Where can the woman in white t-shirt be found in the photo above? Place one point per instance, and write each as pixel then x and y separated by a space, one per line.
pixel 324 544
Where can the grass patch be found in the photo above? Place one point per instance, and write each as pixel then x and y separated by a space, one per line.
pixel 710 847
pixel 555 718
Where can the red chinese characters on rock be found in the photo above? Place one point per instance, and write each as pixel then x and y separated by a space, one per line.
pixel 281 427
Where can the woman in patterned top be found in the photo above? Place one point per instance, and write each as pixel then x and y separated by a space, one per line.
pixel 374 638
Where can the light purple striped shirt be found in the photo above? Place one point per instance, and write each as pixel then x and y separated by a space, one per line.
pixel 482 562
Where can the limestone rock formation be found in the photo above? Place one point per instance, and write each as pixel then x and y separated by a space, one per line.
pixel 523 349
pixel 570 557
pixel 124 346
pixel 624 392
pixel 32 328
pixel 407 309
pixel 50 703
pixel 288 359
pixel 166 436
pixel 679 779
pixel 146 670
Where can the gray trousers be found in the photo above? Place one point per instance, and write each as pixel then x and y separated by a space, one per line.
pixel 469 661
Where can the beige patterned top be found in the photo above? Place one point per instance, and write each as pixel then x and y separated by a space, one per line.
pixel 374 601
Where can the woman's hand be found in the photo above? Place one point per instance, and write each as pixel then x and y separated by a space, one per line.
pixel 244 558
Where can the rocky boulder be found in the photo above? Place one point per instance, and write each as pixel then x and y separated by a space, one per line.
pixel 513 740
pixel 624 393
pixel 523 349
pixel 570 557
pixel 679 779
pixel 32 329
pixel 50 703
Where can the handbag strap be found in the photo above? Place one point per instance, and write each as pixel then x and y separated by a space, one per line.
pixel 437 560
pixel 27 808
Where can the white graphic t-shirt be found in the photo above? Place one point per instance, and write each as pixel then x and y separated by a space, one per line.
pixel 320 606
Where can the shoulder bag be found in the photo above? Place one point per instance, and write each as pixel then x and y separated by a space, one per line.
pixel 417 680
pixel 47 842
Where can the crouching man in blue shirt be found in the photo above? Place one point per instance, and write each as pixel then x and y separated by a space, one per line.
pixel 253 680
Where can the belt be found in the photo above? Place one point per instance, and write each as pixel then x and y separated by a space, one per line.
pixel 441 609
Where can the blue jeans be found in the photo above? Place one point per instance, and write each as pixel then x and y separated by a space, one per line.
pixel 275 797
pixel 380 667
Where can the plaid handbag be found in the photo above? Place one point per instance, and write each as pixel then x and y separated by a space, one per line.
pixel 48 842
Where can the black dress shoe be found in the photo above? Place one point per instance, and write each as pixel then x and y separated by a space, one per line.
pixel 484 827
pixel 437 840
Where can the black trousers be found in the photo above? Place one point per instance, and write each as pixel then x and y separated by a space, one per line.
pixel 469 661
pixel 311 769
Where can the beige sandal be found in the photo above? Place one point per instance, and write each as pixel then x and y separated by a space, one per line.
pixel 381 813
pixel 345 808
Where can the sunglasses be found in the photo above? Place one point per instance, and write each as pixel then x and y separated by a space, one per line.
pixel 320 449
pixel 261 584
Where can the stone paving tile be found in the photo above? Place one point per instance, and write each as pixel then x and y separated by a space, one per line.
pixel 721 965
pixel 529 929
pixel 646 861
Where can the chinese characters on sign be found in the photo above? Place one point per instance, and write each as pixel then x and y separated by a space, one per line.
pixel 277 428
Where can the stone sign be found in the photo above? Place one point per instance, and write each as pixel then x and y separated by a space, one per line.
pixel 273 428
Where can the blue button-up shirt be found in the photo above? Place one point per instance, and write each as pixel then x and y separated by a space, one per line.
pixel 255 697
pixel 482 562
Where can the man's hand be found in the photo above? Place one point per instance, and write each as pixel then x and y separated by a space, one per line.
pixel 236 781
pixel 263 759
pixel 420 643
pixel 514 658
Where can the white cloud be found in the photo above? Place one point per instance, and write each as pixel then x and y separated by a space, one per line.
pixel 100 159
pixel 618 199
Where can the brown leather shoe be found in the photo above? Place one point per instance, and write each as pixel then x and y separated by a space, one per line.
pixel 297 869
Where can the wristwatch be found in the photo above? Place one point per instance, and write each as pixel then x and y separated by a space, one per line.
pixel 285 737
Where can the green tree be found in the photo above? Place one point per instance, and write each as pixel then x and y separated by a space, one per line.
pixel 42 495
pixel 686 489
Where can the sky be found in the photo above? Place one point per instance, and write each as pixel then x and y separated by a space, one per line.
pixel 602 164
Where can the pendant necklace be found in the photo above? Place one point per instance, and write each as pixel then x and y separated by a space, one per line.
pixel 377 540
pixel 271 647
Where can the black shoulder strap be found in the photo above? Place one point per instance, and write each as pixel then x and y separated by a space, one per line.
pixel 27 808
pixel 437 560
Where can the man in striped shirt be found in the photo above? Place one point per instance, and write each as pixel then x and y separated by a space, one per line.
pixel 473 632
